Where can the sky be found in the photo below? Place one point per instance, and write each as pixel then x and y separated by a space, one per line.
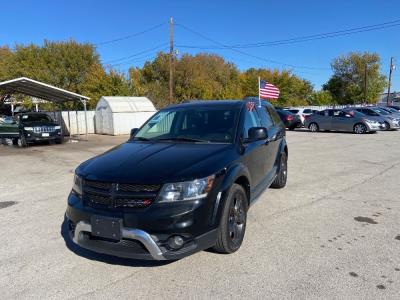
pixel 212 23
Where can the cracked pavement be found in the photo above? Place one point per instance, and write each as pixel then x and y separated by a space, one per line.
pixel 332 233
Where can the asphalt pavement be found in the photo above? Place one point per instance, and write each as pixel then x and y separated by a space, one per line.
pixel 332 233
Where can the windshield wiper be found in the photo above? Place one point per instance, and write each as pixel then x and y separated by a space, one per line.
pixel 183 139
pixel 139 138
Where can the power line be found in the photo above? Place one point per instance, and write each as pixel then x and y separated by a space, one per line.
pixel 131 35
pixel 248 54
pixel 137 54
pixel 138 60
pixel 306 38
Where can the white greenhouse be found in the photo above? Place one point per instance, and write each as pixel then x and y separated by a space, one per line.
pixel 118 115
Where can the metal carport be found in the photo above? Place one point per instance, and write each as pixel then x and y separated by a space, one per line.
pixel 37 89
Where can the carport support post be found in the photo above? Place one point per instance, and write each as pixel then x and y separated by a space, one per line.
pixel 69 126
pixel 86 127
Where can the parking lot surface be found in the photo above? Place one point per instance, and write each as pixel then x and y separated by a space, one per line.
pixel 333 232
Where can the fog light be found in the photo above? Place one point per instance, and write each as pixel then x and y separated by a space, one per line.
pixel 175 242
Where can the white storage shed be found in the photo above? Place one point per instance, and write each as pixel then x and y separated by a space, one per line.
pixel 118 115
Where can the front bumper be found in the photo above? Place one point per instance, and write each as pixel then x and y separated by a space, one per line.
pixel 394 125
pixel 145 232
pixel 31 136
pixel 375 126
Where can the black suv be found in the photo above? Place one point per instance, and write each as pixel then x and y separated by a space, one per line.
pixel 30 127
pixel 182 183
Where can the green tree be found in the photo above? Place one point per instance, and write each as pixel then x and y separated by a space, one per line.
pixel 321 98
pixel 99 83
pixel 348 79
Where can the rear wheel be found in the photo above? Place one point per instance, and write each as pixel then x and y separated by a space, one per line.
pixel 233 221
pixel 281 175
pixel 292 128
pixel 360 128
pixel 313 127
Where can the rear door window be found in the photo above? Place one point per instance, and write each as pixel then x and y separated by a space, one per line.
pixel 266 120
pixel 274 115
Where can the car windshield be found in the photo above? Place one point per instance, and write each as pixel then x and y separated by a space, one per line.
pixel 7 120
pixel 392 110
pixel 192 124
pixel 370 112
pixel 381 111
pixel 36 118
pixel 294 111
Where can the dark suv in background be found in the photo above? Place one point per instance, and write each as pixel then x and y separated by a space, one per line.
pixel 29 128
pixel 182 183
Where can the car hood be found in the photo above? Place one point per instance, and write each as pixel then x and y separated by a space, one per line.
pixel 375 118
pixel 155 162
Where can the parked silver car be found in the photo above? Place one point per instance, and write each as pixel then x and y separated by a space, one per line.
pixel 342 120
pixel 392 121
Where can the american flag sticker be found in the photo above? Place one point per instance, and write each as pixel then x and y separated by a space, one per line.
pixel 250 106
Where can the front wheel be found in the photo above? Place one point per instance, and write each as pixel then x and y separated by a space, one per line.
pixel 387 126
pixel 233 221
pixel 313 127
pixel 360 128
pixel 23 141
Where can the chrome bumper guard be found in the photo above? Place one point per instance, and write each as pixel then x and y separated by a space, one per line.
pixel 134 234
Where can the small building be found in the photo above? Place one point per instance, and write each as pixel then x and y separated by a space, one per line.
pixel 118 115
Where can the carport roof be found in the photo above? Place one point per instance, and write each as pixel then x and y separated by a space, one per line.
pixel 40 90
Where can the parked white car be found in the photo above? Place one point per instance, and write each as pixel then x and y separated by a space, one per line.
pixel 303 113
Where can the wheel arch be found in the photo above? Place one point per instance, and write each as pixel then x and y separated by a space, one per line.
pixel 238 174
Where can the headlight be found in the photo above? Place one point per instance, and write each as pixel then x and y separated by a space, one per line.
pixel 57 127
pixel 28 128
pixel 77 186
pixel 188 190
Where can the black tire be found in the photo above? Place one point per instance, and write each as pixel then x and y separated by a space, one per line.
pixel 359 128
pixel 292 128
pixel 281 174
pixel 15 142
pixel 387 126
pixel 233 221
pixel 59 141
pixel 23 140
pixel 313 127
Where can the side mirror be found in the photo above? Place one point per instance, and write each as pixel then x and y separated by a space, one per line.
pixel 257 133
pixel 133 132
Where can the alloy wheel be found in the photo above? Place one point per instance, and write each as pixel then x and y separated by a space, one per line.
pixel 237 219
pixel 313 127
pixel 360 128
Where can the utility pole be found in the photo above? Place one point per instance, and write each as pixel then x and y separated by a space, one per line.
pixel 390 80
pixel 171 62
pixel 365 82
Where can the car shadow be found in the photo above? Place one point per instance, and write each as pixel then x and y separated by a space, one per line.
pixel 298 130
pixel 104 258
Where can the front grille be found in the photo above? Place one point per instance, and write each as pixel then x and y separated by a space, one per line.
pixel 106 186
pixel 138 188
pixel 108 195
pixel 44 129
